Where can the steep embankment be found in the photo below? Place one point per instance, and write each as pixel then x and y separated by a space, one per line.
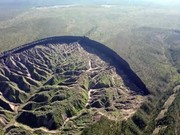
pixel 65 83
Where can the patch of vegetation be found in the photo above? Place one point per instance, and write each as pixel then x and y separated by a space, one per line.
pixel 139 121
pixel 18 131
pixel 1 132
pixel 103 127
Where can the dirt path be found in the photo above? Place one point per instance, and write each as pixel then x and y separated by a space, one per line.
pixel 107 116
pixel 165 108
pixel 90 97
pixel 128 113
pixel 90 67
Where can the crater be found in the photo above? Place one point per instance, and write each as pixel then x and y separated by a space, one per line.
pixel 57 77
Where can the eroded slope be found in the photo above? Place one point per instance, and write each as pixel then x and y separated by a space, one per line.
pixel 63 84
